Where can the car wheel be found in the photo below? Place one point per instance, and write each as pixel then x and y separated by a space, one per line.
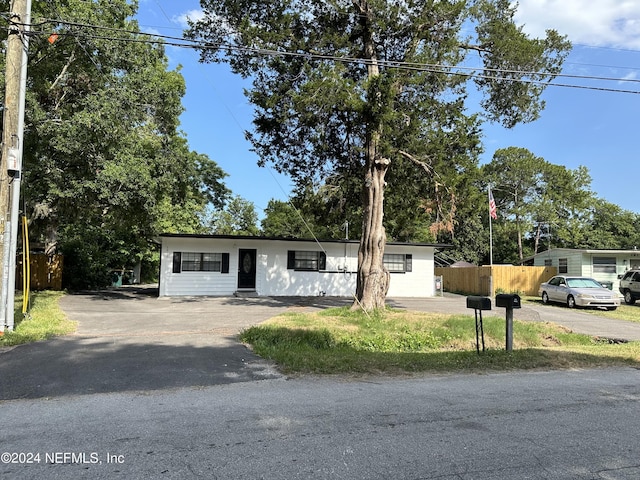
pixel 571 302
pixel 545 298
pixel 629 299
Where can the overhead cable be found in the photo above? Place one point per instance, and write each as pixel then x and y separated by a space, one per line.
pixel 493 74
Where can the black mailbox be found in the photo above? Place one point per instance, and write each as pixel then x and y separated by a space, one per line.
pixel 479 303
pixel 507 300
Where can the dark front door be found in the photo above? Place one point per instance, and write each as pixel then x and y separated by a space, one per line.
pixel 247 268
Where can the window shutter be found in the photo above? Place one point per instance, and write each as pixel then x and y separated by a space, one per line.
pixel 408 262
pixel 291 259
pixel 177 262
pixel 225 263
pixel 322 261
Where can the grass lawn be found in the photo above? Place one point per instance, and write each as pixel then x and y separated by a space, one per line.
pixel 44 320
pixel 338 340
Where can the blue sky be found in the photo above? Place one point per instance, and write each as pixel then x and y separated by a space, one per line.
pixel 597 129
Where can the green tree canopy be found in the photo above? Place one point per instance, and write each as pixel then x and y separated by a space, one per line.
pixel 283 220
pixel 105 167
pixel 353 88
pixel 516 176
pixel 239 217
pixel 546 205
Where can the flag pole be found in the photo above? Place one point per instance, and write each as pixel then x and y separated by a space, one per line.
pixel 490 228
pixel 492 214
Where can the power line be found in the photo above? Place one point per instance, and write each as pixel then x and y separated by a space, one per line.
pixel 180 42
pixel 619 49
pixel 469 72
pixel 566 63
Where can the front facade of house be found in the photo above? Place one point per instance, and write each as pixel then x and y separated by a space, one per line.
pixel 603 265
pixel 222 265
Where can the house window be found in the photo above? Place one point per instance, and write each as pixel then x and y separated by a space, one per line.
pixel 548 262
pixel 398 262
pixel 604 265
pixel 563 265
pixel 200 262
pixel 306 260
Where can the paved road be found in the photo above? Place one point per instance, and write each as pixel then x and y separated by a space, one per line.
pixel 569 425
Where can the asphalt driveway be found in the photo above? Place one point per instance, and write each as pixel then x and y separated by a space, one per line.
pixel 130 340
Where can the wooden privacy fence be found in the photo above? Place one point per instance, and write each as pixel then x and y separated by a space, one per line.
pixel 46 272
pixel 506 278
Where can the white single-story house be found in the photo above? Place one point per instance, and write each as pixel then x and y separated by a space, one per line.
pixel 603 265
pixel 223 265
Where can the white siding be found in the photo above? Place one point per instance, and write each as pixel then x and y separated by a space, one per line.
pixel 196 283
pixel 580 262
pixel 574 260
pixel 274 279
pixel 420 281
pixel 575 263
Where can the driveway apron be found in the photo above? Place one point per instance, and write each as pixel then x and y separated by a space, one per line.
pixel 131 340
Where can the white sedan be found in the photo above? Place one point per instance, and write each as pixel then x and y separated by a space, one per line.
pixel 578 292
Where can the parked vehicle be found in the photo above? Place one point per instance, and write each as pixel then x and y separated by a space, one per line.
pixel 578 292
pixel 630 286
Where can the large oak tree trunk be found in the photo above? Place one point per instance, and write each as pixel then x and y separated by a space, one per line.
pixel 373 278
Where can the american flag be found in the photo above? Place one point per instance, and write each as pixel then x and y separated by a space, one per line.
pixel 493 211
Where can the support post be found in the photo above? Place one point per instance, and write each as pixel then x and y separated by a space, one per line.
pixel 509 302
pixel 479 304
pixel 509 328
pixel 12 150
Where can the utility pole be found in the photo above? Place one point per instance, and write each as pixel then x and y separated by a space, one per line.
pixel 12 149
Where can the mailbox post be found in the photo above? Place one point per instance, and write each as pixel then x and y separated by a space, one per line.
pixel 479 304
pixel 509 302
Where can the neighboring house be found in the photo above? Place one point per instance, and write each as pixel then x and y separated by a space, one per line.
pixel 226 265
pixel 603 265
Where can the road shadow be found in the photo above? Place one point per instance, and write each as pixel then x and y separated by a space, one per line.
pixel 132 292
pixel 74 365
pixel 143 293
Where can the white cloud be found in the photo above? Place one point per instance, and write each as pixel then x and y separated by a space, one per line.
pixel 151 31
pixel 612 23
pixel 633 76
pixel 193 15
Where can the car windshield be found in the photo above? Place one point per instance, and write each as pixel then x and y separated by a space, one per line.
pixel 583 283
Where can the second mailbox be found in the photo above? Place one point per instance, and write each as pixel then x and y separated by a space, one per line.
pixel 479 303
pixel 508 300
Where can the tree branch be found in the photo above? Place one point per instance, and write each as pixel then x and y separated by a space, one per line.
pixel 426 167
pixel 72 57
pixel 477 48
